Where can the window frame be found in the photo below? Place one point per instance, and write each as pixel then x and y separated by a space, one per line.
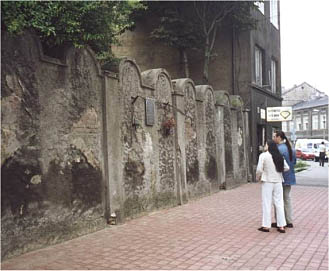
pixel 315 116
pixel 323 125
pixel 299 122
pixel 274 76
pixel 305 123
pixel 259 65
pixel 274 13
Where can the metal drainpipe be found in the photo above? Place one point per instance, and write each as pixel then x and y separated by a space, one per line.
pixel 233 61
pixel 251 132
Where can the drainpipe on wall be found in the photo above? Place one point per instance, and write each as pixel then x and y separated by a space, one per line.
pixel 106 186
pixel 233 61
pixel 253 137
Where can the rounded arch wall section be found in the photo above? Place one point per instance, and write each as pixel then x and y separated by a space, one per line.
pixel 208 132
pixel 165 130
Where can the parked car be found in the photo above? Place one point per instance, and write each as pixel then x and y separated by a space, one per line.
pixel 305 154
pixel 313 145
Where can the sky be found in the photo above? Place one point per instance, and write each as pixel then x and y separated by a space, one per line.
pixel 304 43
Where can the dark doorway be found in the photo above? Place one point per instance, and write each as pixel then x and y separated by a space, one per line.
pixel 261 138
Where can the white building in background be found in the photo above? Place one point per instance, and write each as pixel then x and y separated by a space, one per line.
pixel 310 112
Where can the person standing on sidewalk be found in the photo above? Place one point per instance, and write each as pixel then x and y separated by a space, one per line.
pixel 289 177
pixel 270 167
pixel 322 150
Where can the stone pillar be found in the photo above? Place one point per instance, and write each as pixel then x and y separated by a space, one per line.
pixel 201 135
pixel 240 172
pixel 178 103
pixel 229 167
pixel 247 148
pixel 223 100
pixel 220 145
pixel 189 136
pixel 113 147
pixel 235 147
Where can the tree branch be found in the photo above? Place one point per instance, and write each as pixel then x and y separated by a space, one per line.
pixel 197 11
pixel 213 39
pixel 201 17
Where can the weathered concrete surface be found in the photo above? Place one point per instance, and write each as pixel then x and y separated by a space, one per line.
pixel 51 146
pixel 82 146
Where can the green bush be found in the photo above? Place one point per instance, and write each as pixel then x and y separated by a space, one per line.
pixel 94 23
pixel 300 166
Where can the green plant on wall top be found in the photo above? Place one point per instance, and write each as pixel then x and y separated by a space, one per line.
pixel 81 23
pixel 235 102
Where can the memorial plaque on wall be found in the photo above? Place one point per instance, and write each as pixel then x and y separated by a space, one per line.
pixel 149 111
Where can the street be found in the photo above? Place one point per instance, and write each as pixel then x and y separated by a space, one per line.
pixel 314 175
pixel 215 232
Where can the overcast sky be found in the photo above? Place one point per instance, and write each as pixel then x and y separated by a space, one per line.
pixel 304 43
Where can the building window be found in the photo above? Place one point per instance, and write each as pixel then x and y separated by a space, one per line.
pixel 258 66
pixel 260 6
pixel 273 76
pixel 305 122
pixel 298 123
pixel 274 13
pixel 315 122
pixel 323 121
pixel 285 126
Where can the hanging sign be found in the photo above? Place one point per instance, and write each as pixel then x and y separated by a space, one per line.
pixel 279 113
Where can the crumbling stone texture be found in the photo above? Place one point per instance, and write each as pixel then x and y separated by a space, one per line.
pixel 51 157
pixel 80 145
pixel 228 146
pixel 211 155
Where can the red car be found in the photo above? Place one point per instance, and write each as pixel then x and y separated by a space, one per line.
pixel 305 154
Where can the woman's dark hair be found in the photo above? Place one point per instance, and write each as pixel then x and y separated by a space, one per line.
pixel 283 136
pixel 276 156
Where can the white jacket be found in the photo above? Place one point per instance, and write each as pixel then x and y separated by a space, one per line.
pixel 266 169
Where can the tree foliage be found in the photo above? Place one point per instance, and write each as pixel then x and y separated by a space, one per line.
pixel 194 24
pixel 175 27
pixel 93 23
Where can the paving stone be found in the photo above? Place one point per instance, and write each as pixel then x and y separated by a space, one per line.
pixel 215 232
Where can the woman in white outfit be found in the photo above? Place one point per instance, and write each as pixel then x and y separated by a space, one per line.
pixel 270 166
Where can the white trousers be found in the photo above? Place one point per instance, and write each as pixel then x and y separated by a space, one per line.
pixel 275 191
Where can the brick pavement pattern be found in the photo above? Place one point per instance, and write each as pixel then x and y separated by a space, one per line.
pixel 215 232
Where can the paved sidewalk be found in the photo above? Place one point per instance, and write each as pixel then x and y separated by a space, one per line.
pixel 215 232
pixel 314 175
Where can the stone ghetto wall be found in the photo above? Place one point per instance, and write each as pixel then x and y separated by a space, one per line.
pixel 81 145
pixel 52 163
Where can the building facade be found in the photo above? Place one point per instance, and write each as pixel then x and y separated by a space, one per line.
pixel 309 112
pixel 300 93
pixel 262 73
pixel 247 64
pixel 309 120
